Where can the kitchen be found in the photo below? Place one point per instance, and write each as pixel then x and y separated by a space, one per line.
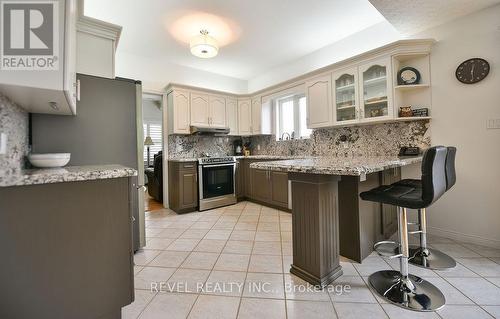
pixel 278 180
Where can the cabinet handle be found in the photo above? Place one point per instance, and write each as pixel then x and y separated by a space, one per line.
pixel 78 90
pixel 188 166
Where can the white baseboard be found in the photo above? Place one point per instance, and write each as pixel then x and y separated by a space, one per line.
pixel 466 238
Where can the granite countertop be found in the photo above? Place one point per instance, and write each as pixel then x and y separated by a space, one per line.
pixel 354 166
pixel 263 157
pixel 67 174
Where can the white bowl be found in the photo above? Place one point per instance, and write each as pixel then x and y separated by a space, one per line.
pixel 49 160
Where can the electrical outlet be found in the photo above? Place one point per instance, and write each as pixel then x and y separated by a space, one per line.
pixel 258 147
pixel 492 124
pixel 3 143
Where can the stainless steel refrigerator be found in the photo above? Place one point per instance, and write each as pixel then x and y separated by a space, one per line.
pixel 107 129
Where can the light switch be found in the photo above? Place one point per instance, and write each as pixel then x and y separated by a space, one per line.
pixel 3 143
pixel 492 124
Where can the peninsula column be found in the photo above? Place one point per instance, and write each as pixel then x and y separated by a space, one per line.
pixel 315 227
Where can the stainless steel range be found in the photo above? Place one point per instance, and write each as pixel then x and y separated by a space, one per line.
pixel 216 182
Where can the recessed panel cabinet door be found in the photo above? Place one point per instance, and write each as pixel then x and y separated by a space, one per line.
pixel 180 114
pixel 279 192
pixel 232 116
pixel 261 184
pixel 245 117
pixel 375 90
pixel 256 116
pixel 189 195
pixel 199 109
pixel 217 117
pixel 319 102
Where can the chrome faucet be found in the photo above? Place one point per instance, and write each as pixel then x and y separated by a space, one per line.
pixel 283 138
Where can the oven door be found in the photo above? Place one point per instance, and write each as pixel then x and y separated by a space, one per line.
pixel 216 180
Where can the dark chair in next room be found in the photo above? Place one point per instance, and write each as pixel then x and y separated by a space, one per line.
pixel 400 287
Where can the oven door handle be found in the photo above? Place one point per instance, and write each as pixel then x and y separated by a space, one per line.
pixel 218 165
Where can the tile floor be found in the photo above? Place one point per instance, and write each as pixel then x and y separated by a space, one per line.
pixel 233 262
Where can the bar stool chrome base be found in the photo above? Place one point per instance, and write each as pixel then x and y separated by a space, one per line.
pixel 417 294
pixel 433 259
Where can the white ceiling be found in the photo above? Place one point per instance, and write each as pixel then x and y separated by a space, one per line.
pixel 265 33
pixel 412 16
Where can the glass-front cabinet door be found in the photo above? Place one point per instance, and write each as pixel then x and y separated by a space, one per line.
pixel 346 97
pixel 375 90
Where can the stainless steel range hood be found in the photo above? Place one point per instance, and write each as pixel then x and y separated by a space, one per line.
pixel 200 130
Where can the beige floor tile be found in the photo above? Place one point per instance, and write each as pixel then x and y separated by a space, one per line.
pixel 157 243
pixel 137 269
pixel 269 218
pixel 493 310
pixel 310 310
pixel 157 223
pixel 208 218
pixel 287 262
pixel 267 248
pixel 187 280
pixel 286 226
pixel 463 312
pixel 459 271
pixel 242 247
pixel 203 225
pixel 215 307
pixel 479 290
pixel 351 289
pixel 395 312
pixel 286 236
pixel 183 244
pixel 267 236
pixel 453 296
pixel 242 235
pixel 227 283
pixel 481 266
pixel 224 225
pixel 272 227
pixel 455 250
pixel 153 232
pixel 171 233
pixel 142 298
pixel 232 262
pixel 181 225
pixel 194 234
pixel 265 263
pixel 359 310
pixel 152 277
pixel 348 269
pixel 169 305
pixel 169 259
pixel 219 234
pixel 249 219
pixel 494 280
pixel 200 260
pixel 143 257
pixel 245 226
pixel 210 245
pixel 261 285
pixel 483 250
pixel 298 289
pixel 251 308
pixel 287 248
pixel 371 265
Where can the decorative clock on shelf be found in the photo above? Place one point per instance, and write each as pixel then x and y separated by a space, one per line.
pixel 408 76
pixel 472 70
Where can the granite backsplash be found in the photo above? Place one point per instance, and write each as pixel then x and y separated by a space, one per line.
pixel 14 123
pixel 368 140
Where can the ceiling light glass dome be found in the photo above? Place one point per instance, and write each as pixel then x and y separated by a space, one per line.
pixel 204 46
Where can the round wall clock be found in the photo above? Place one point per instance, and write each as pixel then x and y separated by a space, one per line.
pixel 472 70
pixel 408 75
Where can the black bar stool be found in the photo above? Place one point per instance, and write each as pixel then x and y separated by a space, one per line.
pixel 422 255
pixel 400 287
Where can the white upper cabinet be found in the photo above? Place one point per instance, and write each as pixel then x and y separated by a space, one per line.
pixel 375 86
pixel 345 96
pixel 178 112
pixel 200 111
pixel 261 116
pixel 319 102
pixel 217 111
pixel 232 116
pixel 245 117
pixel 52 88
pixel 256 116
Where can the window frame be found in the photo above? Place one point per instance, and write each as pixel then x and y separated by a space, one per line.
pixel 147 132
pixel 297 129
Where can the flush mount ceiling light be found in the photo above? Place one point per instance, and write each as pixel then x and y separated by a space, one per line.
pixel 204 46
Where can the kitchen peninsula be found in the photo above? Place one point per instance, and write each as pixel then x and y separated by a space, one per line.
pixel 329 218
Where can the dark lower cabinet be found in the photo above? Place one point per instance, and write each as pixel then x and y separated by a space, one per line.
pixel 67 250
pixel 269 187
pixel 261 185
pixel 240 180
pixel 279 189
pixel 183 186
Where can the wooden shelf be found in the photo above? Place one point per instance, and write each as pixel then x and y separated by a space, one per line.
pixel 375 80
pixel 411 87
pixel 346 107
pixel 375 102
pixel 345 87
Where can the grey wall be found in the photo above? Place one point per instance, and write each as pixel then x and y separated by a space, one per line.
pixel 14 123
pixel 103 131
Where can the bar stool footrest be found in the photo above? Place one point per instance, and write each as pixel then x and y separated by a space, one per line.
pixel 387 248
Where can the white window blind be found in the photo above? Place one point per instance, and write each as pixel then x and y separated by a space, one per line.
pixel 291 118
pixel 154 131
